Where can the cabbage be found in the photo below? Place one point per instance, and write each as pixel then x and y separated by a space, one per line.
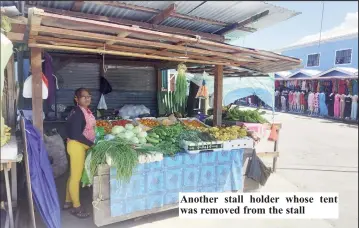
pixel 117 130
pixel 121 135
pixel 137 130
pixel 135 140
pixel 142 134
pixel 129 126
pixel 128 135
pixel 142 140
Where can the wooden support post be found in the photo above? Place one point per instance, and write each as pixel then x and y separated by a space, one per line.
pixel 276 145
pixel 11 93
pixel 36 71
pixel 218 95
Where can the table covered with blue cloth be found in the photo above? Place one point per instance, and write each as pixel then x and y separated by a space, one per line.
pixel 157 184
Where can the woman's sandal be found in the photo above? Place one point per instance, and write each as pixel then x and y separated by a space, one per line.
pixel 67 206
pixel 79 212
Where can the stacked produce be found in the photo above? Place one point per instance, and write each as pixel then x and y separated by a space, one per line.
pixel 227 133
pixel 148 122
pixel 105 124
pixel 247 116
pixel 125 144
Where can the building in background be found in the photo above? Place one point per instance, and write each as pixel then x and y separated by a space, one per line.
pixel 331 51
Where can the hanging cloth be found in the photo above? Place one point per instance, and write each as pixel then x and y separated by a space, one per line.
pixel 202 91
pixel 27 90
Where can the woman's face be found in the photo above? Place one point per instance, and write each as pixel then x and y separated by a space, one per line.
pixel 84 99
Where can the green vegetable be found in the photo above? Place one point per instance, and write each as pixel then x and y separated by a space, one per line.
pixel 129 127
pixel 181 88
pixel 152 140
pixel 117 130
pixel 121 154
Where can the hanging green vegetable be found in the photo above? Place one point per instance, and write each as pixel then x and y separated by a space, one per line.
pixel 181 86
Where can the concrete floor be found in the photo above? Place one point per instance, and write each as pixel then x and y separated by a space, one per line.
pixel 315 155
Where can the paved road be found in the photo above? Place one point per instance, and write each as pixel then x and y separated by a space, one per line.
pixel 315 155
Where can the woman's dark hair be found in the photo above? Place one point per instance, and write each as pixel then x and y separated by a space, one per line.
pixel 78 93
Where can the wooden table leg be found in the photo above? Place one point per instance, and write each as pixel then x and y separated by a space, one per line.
pixel 14 184
pixel 8 194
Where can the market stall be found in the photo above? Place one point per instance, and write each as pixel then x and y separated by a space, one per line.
pixel 334 85
pixel 151 158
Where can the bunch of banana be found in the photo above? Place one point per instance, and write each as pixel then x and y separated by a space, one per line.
pixel 227 133
pixel 7 135
pixel 247 116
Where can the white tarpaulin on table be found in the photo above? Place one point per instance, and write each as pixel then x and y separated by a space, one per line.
pixel 236 88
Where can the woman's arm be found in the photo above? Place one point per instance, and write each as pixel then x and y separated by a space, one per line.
pixel 75 126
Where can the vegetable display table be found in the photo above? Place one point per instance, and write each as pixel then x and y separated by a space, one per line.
pixel 154 187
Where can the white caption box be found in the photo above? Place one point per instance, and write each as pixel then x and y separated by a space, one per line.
pixel 292 205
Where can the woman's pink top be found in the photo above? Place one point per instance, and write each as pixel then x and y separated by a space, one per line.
pixel 290 97
pixel 316 100
pixel 311 100
pixel 89 131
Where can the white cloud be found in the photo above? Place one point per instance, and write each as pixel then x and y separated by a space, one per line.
pixel 348 26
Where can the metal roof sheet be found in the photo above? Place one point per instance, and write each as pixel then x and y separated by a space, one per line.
pixel 223 11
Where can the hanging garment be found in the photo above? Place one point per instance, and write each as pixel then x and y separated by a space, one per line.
pixel 316 100
pixel 348 106
pixel 355 87
pixel 342 105
pixel 341 89
pixel 303 85
pixel 322 106
pixel 283 103
pixel 297 100
pixel 337 106
pixel 331 105
pixel 306 96
pixel 290 100
pixel 311 102
pixel 350 86
pixel 354 110
pixel 302 102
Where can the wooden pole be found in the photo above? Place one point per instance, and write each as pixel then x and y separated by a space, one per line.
pixel 218 95
pixel 11 91
pixel 36 71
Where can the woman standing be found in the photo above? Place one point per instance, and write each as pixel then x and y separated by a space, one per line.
pixel 80 129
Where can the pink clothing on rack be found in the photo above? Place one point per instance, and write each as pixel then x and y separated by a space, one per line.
pixel 316 100
pixel 311 100
pixel 337 105
pixel 290 97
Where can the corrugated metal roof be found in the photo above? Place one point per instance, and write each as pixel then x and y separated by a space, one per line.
pixel 223 11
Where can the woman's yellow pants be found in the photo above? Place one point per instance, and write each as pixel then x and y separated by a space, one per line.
pixel 77 152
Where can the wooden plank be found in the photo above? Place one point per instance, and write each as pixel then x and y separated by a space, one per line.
pixel 218 96
pixel 238 25
pixel 268 154
pixel 28 179
pixel 167 36
pixel 95 36
pixel 11 93
pixel 15 37
pixel 97 51
pixel 101 187
pixel 162 16
pixel 36 70
pixel 121 35
pixel 102 214
pixel 34 19
pixel 77 5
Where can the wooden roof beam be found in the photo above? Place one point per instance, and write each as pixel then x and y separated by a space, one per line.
pixel 77 5
pixel 168 36
pixel 121 53
pixel 159 18
pixel 100 37
pixel 241 24
pixel 145 25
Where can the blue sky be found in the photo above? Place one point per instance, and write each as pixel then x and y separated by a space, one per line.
pixel 338 15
